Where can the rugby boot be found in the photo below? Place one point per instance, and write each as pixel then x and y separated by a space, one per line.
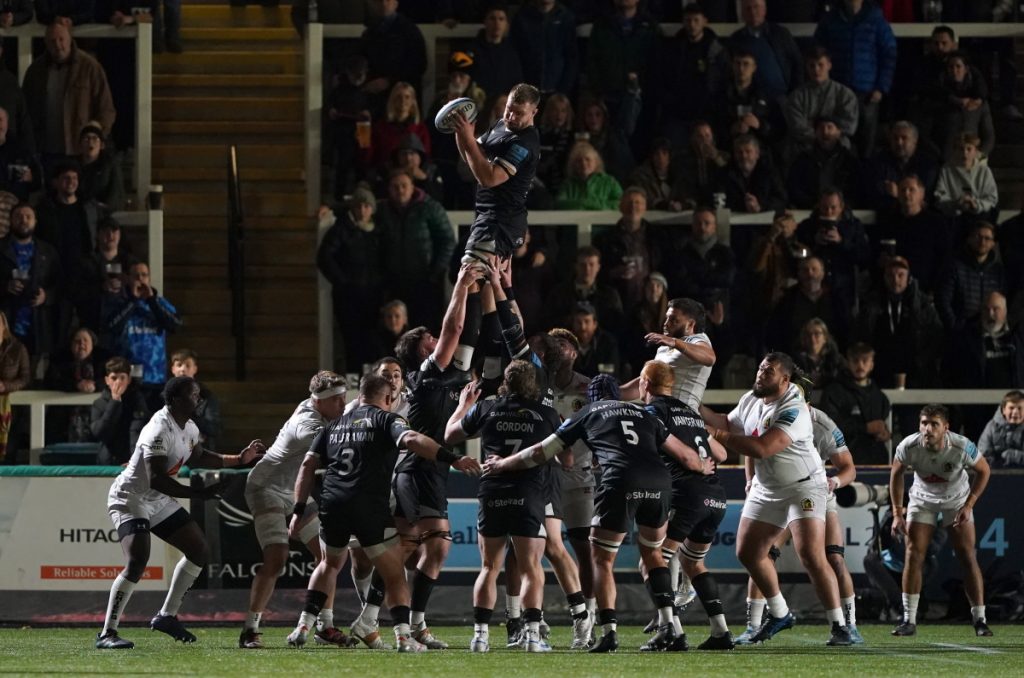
pixel 545 630
pixel 609 643
pixel 169 624
pixel 250 639
pixel 772 625
pixel 981 629
pixel 746 637
pixel 369 634
pixel 111 641
pixel 905 629
pixel 409 644
pixel 685 595
pixel 333 636
pixel 581 627
pixel 534 643
pixel 479 644
pixel 855 635
pixel 299 636
pixel 424 636
pixel 652 625
pixel 661 640
pixel 840 636
pixel 718 643
pixel 515 628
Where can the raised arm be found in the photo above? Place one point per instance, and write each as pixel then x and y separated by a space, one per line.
pixel 454 318
pixel 453 431
pixel 486 173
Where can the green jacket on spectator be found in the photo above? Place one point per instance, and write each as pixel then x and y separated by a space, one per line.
pixel 599 191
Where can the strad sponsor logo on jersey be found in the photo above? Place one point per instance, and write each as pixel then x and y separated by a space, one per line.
pixel 503 503
pixel 644 494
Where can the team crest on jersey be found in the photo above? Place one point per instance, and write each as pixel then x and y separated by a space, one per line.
pixel 807 505
pixel 524 413
pixel 361 423
pixel 157 444
pixel 577 404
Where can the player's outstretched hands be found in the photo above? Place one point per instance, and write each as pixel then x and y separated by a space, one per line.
pixel 467 275
pixel 504 267
pixel 470 394
pixel 899 525
pixel 494 464
pixel 253 451
pixel 468 465
pixel 460 125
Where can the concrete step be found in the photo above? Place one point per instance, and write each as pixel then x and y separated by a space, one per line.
pixel 280 300
pixel 285 249
pixel 266 81
pixel 227 108
pixel 254 225
pixel 205 275
pixel 213 16
pixel 230 61
pixel 199 179
pixel 214 203
pixel 274 155
pixel 224 132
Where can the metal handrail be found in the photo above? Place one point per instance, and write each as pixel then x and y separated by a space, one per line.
pixel 236 260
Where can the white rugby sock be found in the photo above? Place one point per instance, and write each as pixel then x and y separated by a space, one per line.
pixel 777 606
pixel 418 619
pixel 755 611
pixel 835 616
pixel 362 585
pixel 185 574
pixel 514 606
pixel 252 620
pixel 910 601
pixel 482 631
pixel 120 591
pixel 402 630
pixel 677 625
pixel 850 610
pixel 370 614
pixel 978 613
pixel 325 619
pixel 718 625
pixel 307 619
pixel 665 615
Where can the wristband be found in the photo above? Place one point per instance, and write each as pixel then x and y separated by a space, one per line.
pixel 299 509
pixel 510 293
pixel 446 456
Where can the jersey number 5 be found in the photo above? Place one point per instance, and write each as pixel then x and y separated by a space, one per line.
pixel 627 430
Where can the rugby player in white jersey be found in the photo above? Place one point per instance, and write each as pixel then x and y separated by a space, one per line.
pixel 772 425
pixel 141 501
pixel 949 477
pixel 831 445
pixel 269 491
pixel 685 348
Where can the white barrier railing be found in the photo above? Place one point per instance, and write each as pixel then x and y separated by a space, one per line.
pixel 142 34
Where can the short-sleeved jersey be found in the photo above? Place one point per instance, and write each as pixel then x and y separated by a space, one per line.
pixel 359 451
pixel 798 460
pixel 828 439
pixel 280 465
pixel 161 437
pixel 685 424
pixel 568 402
pixel 433 398
pixel 399 407
pixel 691 378
pixel 518 154
pixel 624 437
pixel 505 426
pixel 939 475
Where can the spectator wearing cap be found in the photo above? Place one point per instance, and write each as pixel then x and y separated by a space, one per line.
pixel 544 33
pixel 20 174
pixel 443 150
pixel 921 234
pixel 827 164
pixel 599 350
pixel 101 272
pixel 627 248
pixel 819 97
pixel 352 259
pixel 497 66
pixel 691 60
pixel 412 159
pixel 77 83
pixel 902 325
pixel 395 52
pixel 101 179
pixel 587 286
pixel 401 118
pixel 750 182
pixel 863 50
pixel 656 177
pixel 779 62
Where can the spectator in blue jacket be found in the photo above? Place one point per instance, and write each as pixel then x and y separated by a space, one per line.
pixel 863 50
pixel 544 32
pixel 779 63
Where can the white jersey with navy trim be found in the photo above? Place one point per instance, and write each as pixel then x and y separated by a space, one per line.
pixel 279 467
pixel 567 402
pixel 691 378
pixel 828 439
pixel 939 475
pixel 161 437
pixel 789 413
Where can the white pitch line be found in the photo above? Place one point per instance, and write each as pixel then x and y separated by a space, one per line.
pixel 866 649
pixel 968 648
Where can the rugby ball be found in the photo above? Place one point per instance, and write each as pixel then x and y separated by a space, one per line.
pixel 444 117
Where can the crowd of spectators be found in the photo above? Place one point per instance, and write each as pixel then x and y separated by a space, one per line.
pixel 635 119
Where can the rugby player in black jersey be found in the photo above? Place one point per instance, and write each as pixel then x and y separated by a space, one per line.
pixel 503 161
pixel 698 499
pixel 635 485
pixel 436 373
pixel 359 451
pixel 511 505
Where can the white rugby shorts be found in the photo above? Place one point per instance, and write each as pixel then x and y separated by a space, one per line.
pixel 781 506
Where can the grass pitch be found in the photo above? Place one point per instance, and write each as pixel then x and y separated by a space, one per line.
pixel 937 650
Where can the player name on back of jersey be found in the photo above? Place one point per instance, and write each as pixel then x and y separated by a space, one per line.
pixel 617 409
pixel 346 436
pixel 685 420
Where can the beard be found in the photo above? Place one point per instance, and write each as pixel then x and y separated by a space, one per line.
pixel 763 390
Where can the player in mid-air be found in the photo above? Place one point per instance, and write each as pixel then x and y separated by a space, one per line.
pixel 698 499
pixel 772 425
pixel 831 445
pixel 269 489
pixel 142 501
pixel 511 505
pixel 949 477
pixel 360 450
pixel 503 161
pixel 635 486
